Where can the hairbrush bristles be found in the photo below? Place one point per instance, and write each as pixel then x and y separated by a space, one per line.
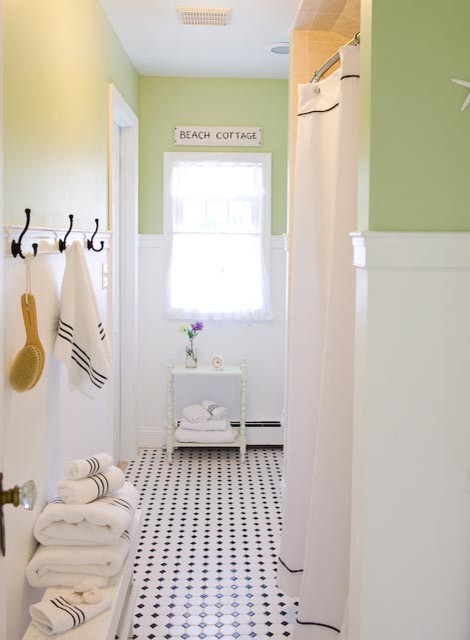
pixel 25 368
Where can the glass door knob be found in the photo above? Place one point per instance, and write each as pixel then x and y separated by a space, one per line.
pixel 24 496
pixel 28 495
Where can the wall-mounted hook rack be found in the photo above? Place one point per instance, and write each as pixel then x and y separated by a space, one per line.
pixel 89 243
pixel 16 245
pixel 63 243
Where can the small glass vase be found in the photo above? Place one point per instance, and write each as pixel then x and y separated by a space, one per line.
pixel 191 358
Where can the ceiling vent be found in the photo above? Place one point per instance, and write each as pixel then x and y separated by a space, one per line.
pixel 203 17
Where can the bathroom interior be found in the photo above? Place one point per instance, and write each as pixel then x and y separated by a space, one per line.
pixel 275 391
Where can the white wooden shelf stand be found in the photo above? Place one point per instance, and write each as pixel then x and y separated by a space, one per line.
pixel 115 622
pixel 174 373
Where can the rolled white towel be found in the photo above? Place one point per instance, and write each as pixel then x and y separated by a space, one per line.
pixel 99 522
pixel 205 437
pixel 85 593
pixel 85 467
pixel 88 489
pixel 216 411
pixel 196 413
pixel 58 615
pixel 210 425
pixel 68 566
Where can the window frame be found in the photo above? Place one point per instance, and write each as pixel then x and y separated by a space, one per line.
pixel 169 157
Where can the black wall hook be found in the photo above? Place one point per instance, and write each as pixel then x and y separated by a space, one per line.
pixel 89 243
pixel 16 246
pixel 63 243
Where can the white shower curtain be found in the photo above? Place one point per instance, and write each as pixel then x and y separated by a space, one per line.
pixel 314 553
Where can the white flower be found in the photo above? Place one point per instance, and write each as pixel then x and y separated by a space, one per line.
pixel 183 328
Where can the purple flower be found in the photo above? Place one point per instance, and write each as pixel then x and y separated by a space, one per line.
pixel 197 326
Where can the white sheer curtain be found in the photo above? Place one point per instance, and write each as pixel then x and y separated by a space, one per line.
pixel 217 236
pixel 315 546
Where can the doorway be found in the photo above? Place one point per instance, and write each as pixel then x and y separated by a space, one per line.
pixel 123 292
pixel 2 404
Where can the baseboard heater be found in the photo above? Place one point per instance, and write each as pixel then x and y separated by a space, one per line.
pixel 262 423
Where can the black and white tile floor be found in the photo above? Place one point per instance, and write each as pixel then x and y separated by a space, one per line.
pixel 208 553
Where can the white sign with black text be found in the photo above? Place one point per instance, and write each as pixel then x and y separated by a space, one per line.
pixel 218 136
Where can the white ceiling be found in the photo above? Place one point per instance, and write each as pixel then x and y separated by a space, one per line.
pixel 158 45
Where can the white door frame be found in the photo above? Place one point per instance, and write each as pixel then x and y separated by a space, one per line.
pixel 125 297
pixel 2 310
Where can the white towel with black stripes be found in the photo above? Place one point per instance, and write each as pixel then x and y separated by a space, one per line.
pixel 89 489
pixel 81 343
pixel 58 615
pixel 67 566
pixel 205 437
pixel 216 411
pixel 209 425
pixel 195 413
pixel 86 467
pixel 96 523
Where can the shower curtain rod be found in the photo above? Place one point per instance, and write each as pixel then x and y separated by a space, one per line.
pixel 333 60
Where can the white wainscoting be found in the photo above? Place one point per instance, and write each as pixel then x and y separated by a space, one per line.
pixel 50 424
pixel 411 500
pixel 262 344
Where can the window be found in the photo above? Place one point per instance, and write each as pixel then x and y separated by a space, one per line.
pixel 217 225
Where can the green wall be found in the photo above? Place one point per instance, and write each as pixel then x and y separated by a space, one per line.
pixel 60 56
pixel 167 102
pixel 419 143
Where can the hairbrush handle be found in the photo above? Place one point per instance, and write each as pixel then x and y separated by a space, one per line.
pixel 28 307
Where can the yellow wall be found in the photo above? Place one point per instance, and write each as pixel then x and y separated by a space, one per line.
pixel 60 56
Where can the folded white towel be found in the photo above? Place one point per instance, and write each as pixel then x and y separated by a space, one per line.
pixel 210 425
pixel 205 437
pixel 88 489
pixel 215 410
pixel 100 522
pixel 81 342
pixel 57 615
pixel 196 413
pixel 67 566
pixel 85 467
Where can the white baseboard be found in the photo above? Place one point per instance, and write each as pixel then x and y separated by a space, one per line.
pixel 152 438
pixel 269 436
pixel 264 435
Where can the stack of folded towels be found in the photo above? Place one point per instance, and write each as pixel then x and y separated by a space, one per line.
pixel 84 531
pixel 205 423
